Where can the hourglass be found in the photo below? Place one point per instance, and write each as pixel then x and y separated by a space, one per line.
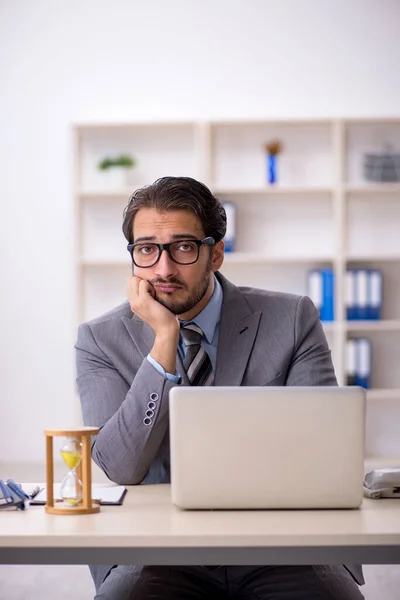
pixel 76 487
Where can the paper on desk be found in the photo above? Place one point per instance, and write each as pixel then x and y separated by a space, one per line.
pixel 113 494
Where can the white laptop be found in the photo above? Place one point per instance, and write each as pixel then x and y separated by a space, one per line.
pixel 267 447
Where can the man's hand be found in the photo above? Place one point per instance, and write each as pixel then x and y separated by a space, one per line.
pixel 163 322
pixel 141 297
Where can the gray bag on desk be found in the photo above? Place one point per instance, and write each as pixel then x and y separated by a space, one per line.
pixel 382 483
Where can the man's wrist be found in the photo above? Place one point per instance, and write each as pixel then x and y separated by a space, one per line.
pixel 165 348
pixel 168 335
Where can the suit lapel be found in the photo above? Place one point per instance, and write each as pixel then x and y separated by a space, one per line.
pixel 238 329
pixel 143 337
pixel 142 334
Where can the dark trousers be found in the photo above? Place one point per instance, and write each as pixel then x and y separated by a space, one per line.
pixel 240 583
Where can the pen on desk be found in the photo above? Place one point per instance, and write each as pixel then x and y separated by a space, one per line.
pixel 35 492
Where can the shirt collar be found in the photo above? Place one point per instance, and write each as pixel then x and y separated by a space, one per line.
pixel 209 317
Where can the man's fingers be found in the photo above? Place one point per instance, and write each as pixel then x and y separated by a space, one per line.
pixel 133 284
pixel 132 290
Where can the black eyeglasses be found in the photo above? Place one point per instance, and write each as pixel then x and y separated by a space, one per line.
pixel 183 252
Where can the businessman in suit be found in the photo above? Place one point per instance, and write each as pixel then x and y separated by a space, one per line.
pixel 185 324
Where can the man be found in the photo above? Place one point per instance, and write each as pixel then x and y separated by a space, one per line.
pixel 130 358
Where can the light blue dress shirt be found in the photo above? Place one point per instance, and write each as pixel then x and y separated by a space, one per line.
pixel 208 320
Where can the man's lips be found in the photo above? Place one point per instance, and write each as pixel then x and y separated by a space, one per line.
pixel 164 287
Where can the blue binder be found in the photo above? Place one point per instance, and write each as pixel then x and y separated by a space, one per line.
pixel 328 295
pixel 350 295
pixel 230 236
pixel 351 362
pixel 375 294
pixel 315 288
pixel 362 293
pixel 363 363
pixel 320 284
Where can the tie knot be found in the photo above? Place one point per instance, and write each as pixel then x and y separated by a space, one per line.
pixel 191 334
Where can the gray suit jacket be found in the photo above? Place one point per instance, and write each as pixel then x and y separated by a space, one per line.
pixel 266 338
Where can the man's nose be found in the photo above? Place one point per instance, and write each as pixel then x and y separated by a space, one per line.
pixel 166 267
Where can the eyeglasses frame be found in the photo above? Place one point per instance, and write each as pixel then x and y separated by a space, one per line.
pixel 208 241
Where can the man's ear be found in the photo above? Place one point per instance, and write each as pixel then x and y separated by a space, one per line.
pixel 218 256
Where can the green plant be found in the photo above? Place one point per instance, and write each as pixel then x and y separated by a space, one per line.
pixel 123 160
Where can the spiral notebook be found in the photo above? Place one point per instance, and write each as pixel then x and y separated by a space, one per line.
pixel 112 495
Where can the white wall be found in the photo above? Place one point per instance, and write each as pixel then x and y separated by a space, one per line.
pixel 74 60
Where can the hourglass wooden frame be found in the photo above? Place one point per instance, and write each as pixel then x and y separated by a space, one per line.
pixel 84 471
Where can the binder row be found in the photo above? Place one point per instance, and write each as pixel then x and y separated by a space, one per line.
pixel 363 294
pixel 320 284
pixel 358 362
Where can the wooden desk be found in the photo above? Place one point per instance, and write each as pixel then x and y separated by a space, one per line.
pixel 148 529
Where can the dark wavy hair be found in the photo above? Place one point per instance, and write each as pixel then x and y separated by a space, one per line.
pixel 178 193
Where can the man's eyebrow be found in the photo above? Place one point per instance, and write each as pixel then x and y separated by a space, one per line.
pixel 146 238
pixel 175 236
pixel 184 236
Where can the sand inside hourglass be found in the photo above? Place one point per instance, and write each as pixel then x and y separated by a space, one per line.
pixel 71 458
pixel 71 486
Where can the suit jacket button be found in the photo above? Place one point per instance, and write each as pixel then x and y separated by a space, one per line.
pixel 154 396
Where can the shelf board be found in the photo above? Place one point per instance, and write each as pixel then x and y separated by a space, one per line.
pixel 271 190
pixel 394 120
pixel 94 262
pixel 373 189
pixel 383 394
pixel 378 325
pixel 106 194
pixel 263 190
pixel 373 259
pixel 329 325
pixel 263 122
pixel 234 258
pixel 125 125
pixel 370 190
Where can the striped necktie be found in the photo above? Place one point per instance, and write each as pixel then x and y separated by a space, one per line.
pixel 197 363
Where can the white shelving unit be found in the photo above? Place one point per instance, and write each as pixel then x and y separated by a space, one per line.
pixel 321 213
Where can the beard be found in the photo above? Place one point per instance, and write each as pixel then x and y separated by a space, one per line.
pixel 179 307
